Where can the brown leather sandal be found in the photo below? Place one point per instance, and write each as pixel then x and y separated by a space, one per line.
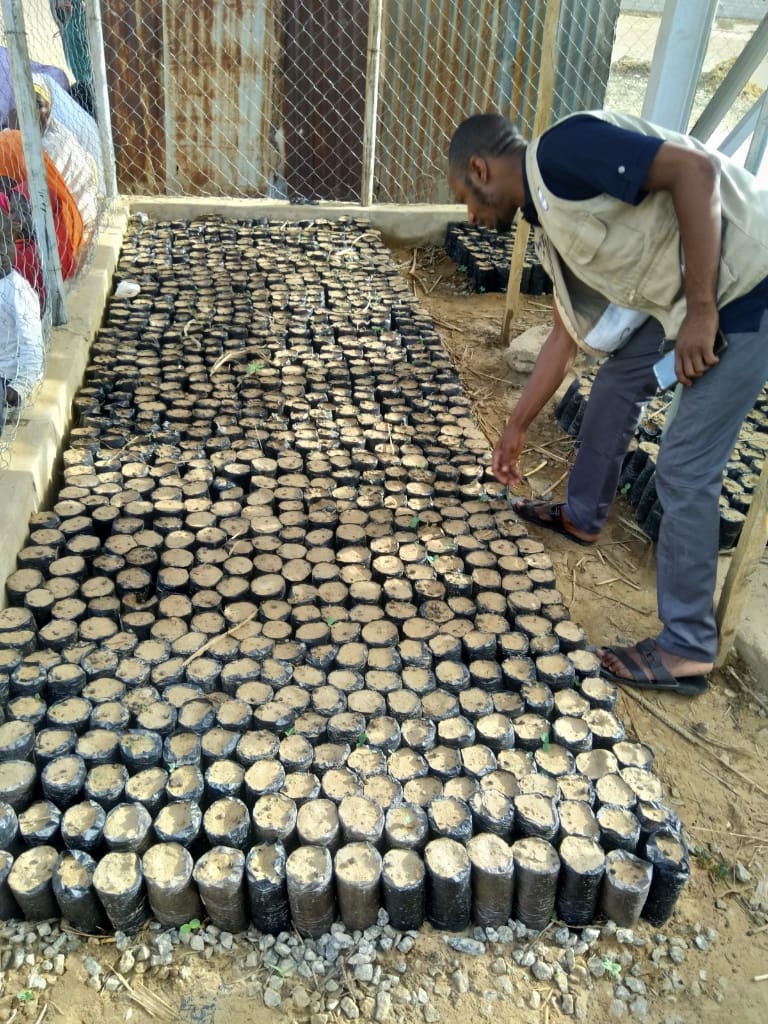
pixel 531 512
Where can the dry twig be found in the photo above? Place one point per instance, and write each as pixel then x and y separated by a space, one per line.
pixel 207 646
pixel 634 528
pixel 488 376
pixel 750 694
pixel 693 738
pixel 727 832
pixel 149 1001
pixel 616 600
pixel 229 357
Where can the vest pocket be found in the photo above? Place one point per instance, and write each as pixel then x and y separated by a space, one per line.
pixel 585 238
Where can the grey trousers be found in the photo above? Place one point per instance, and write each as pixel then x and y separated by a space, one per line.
pixel 692 457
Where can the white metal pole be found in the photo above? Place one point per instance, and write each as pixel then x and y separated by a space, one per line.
pixel 739 134
pixel 678 57
pixel 37 179
pixel 101 95
pixel 730 87
pixel 759 141
pixel 372 71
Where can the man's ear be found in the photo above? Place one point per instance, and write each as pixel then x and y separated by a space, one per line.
pixel 479 170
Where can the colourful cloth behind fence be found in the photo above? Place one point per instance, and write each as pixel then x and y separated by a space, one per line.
pixel 67 221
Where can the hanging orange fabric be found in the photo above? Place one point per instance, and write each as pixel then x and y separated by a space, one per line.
pixel 67 221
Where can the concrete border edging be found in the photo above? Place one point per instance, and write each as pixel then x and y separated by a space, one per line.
pixel 26 483
pixel 399 224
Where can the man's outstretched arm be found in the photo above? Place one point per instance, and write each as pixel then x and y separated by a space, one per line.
pixel 693 180
pixel 554 361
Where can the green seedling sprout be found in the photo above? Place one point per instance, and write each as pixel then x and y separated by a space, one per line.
pixel 717 869
pixel 25 996
pixel 282 971
pixel 414 522
pixel 545 741
pixel 254 367
pixel 190 926
pixel 613 968
pixel 362 739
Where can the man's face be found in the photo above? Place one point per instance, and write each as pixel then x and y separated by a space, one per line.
pixel 43 113
pixel 7 250
pixel 482 189
pixel 21 216
pixel 43 110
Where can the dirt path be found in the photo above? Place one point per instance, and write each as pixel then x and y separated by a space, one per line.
pixel 610 591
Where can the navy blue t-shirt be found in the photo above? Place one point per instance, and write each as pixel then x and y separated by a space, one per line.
pixel 585 157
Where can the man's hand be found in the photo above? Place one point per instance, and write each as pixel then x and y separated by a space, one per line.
pixel 695 345
pixel 506 453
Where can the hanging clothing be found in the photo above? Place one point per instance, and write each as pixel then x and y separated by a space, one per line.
pixel 67 220
pixel 7 101
pixel 22 349
pixel 72 116
pixel 72 161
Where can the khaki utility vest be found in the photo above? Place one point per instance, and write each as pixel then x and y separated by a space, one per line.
pixel 604 250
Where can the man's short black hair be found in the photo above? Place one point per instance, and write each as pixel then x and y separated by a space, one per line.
pixel 483 135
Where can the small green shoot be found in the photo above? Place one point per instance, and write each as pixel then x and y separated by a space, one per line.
pixel 414 522
pixel 290 732
pixel 362 739
pixel 462 268
pixel 282 971
pixel 330 621
pixel 25 996
pixel 190 926
pixel 252 368
pixel 717 869
pixel 613 968
pixel 625 489
pixel 545 741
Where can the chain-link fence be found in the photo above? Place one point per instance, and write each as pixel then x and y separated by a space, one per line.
pixel 304 100
pixel 355 99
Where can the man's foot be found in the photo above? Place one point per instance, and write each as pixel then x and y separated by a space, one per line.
pixel 648 667
pixel 553 517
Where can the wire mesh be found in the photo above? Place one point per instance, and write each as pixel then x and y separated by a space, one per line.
pixel 59 74
pixel 273 98
pixel 311 100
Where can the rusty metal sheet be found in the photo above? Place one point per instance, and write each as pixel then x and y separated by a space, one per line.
pixel 446 59
pixel 324 100
pixel 133 50
pixel 192 91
